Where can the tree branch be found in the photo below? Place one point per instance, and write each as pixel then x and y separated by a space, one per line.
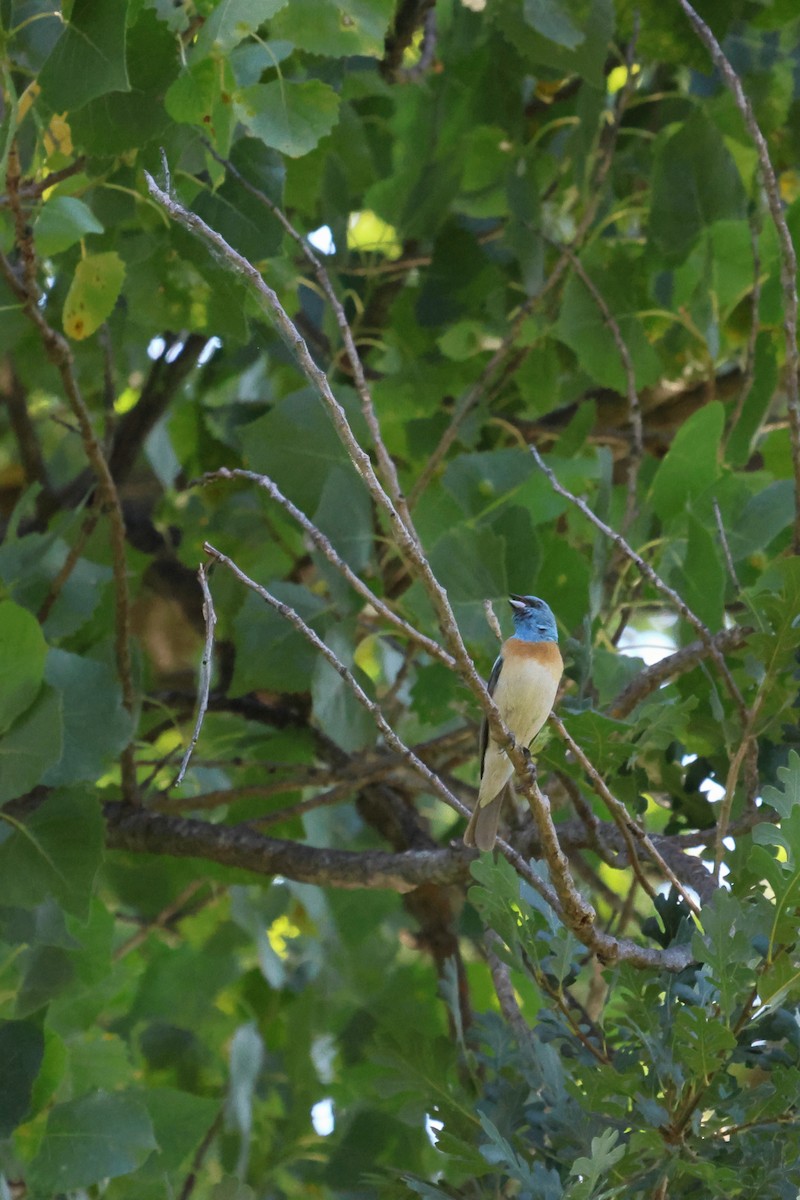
pixel 324 545
pixel 652 577
pixel 787 251
pixel 163 381
pixel 145 832
pixel 686 659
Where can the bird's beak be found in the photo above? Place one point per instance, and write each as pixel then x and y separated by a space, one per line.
pixel 516 601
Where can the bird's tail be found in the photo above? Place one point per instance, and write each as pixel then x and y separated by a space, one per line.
pixel 481 831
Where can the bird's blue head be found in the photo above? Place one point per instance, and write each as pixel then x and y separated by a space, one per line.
pixel 533 619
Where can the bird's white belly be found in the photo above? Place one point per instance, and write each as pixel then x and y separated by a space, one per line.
pixel 524 695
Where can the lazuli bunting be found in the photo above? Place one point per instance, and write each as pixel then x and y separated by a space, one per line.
pixel 523 682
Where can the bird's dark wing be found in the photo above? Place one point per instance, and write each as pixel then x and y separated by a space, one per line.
pixel 491 684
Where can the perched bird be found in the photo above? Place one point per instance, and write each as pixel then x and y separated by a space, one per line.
pixel 523 682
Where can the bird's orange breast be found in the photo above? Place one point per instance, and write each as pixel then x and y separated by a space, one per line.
pixel 547 654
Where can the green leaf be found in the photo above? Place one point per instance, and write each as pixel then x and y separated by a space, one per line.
pixel 337 30
pixel 62 222
pixel 291 117
pixel 93 293
pixel 57 852
pixel 244 221
pixel 29 565
pixel 120 121
pixel 498 1150
pixel 789 798
pixel 100 1060
pixel 725 944
pixel 471 564
pixel 703 586
pixel 22 653
pixel 552 19
pixel 605 1154
pixel 481 481
pixel 48 972
pixel 270 652
pixel 31 746
pixel 690 466
pixel 587 58
pixel 335 707
pixel 89 57
pixel 700 1041
pixel 695 182
pixel 21 1052
pixel 583 326
pixel 296 444
pixel 96 726
pixel 193 94
pixel 230 22
pixel 179 1122
pixel 345 515
pixel 98 1136
pixel 604 740
pixel 766 514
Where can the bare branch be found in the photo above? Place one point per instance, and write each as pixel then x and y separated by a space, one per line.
pixel 325 546
pixel 625 822
pixel 787 251
pixel 69 564
pixel 683 660
pixel 162 383
pixel 239 846
pixel 748 373
pixel 634 408
pixel 652 577
pixel 206 668
pixel 385 461
pixel 32 189
pixel 506 996
pixel 410 14
pixel 564 897
pixel 391 738
pixel 726 550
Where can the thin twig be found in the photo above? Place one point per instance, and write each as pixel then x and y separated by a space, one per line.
pixel 32 189
pixel 562 896
pixel 726 550
pixel 787 251
pixel 748 372
pixel 475 393
pixel 58 351
pixel 625 822
pixel 686 659
pixel 325 546
pixel 404 535
pixel 652 576
pixel 385 461
pixel 743 751
pixel 200 1154
pixel 164 918
pixel 506 995
pixel 69 564
pixel 206 669
pixel 492 621
pixel 636 454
